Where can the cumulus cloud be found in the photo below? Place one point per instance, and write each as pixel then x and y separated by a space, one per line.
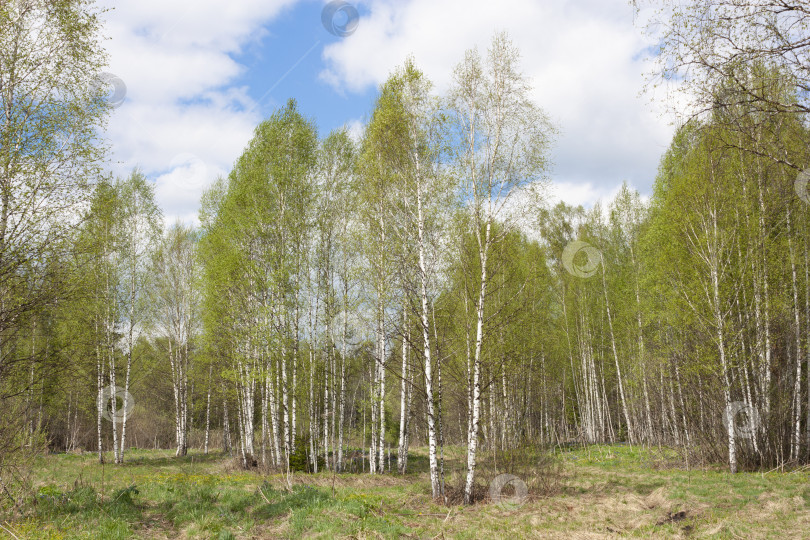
pixel 355 128
pixel 585 58
pixel 183 121
pixel 186 118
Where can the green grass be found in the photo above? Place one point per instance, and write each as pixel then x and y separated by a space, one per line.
pixel 596 492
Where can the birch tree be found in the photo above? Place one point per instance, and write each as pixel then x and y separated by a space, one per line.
pixel 411 125
pixel 176 299
pixel 140 224
pixel 49 157
pixel 252 252
pixel 376 204
pixel 97 243
pixel 337 163
pixel 500 147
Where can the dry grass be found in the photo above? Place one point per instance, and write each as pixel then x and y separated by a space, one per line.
pixel 597 492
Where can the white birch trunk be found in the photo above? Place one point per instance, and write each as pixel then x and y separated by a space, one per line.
pixel 807 335
pixel 99 401
pixel 472 437
pixel 208 410
pixel 627 419
pixel 797 401
pixel 342 403
pixel 402 453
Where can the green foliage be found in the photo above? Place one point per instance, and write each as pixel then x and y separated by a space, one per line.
pixel 301 459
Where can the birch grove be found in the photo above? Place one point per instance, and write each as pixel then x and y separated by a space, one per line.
pixel 405 298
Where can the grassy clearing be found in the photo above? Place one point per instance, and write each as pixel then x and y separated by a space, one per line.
pixel 598 492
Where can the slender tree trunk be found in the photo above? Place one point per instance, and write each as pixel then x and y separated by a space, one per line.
pixel 264 406
pixel 208 409
pixel 285 399
pixel 110 351
pixel 99 399
pixel 113 400
pixel 295 363
pixel 226 425
pixel 577 392
pixel 713 260
pixel 766 318
pixel 627 418
pixel 797 401
pixel 326 398
pixel 184 401
pixel 472 437
pixel 374 394
pixel 313 428
pixel 807 335
pixel 402 453
pixel 344 351
pixel 641 355
pixel 130 346
pixel 423 293
pixel 381 358
pixel 683 405
pixel 468 351
pixel 439 404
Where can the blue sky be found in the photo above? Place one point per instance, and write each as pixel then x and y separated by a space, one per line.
pixel 201 74
pixel 287 63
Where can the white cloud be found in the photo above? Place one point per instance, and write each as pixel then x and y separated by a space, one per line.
pixel 175 58
pixel 584 57
pixel 355 128
pixel 585 194
pixel 178 61
pixel 581 193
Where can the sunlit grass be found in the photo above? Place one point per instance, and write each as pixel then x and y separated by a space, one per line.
pixel 602 491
